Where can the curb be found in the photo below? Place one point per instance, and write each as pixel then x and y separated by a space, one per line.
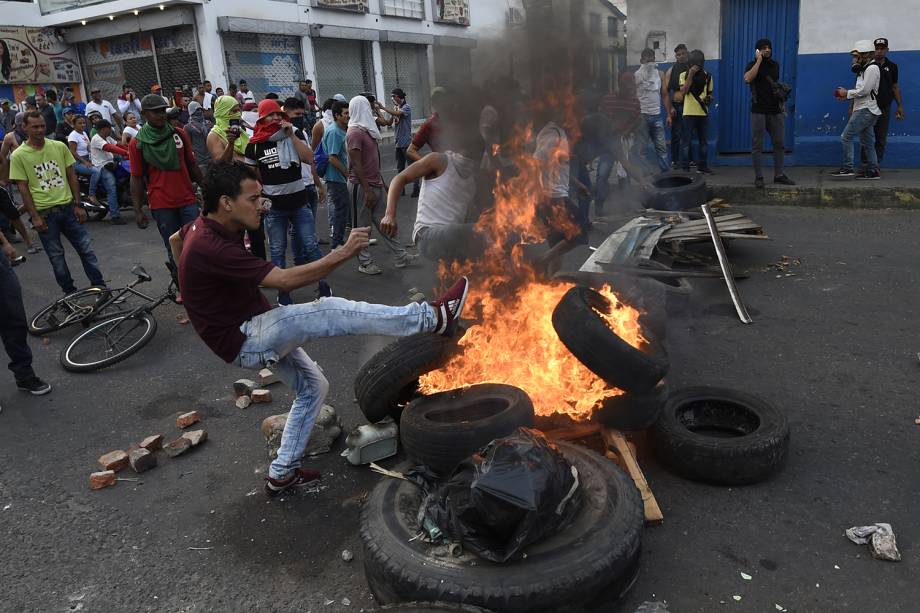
pixel 874 197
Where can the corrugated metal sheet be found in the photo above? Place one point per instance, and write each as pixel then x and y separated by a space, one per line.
pixel 343 67
pixel 744 22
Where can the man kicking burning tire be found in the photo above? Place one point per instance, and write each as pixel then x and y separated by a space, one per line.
pixel 220 283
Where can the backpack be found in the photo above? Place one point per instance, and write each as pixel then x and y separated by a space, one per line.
pixel 320 160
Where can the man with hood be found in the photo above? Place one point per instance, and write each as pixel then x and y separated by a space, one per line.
pixel 163 167
pixel 865 112
pixel 276 151
pixel 767 112
pixel 362 142
pixel 197 129
pixel 696 86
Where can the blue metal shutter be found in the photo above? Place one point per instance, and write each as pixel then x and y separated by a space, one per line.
pixel 744 22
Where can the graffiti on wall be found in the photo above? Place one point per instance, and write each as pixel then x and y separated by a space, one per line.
pixel 357 6
pixel 36 55
pixel 452 11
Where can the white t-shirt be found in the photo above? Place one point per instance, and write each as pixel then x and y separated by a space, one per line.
pixel 97 155
pixel 445 200
pixel 648 88
pixel 553 150
pixel 104 108
pixel 133 106
pixel 248 96
pixel 82 141
pixel 131 132
pixel 306 170
pixel 208 100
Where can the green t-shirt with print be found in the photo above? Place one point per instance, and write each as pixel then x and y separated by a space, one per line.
pixel 46 171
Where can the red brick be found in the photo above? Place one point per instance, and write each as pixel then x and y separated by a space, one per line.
pixel 195 437
pixel 141 460
pixel 114 460
pixel 177 447
pixel 261 395
pixel 152 443
pixel 187 419
pixel 102 479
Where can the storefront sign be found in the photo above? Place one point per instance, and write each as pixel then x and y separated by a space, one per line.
pixel 36 55
pixel 357 6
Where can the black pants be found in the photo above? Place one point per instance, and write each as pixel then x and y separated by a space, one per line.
pixel 881 134
pixel 401 162
pixel 13 326
pixel 676 124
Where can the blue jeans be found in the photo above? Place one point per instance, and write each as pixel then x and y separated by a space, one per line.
pixel 92 173
pixel 62 220
pixel 655 127
pixel 303 240
pixel 604 170
pixel 698 126
pixel 862 124
pixel 274 339
pixel 338 203
pixel 111 191
pixel 170 221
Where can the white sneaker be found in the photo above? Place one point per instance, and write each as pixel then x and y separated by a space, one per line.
pixel 370 269
pixel 405 261
pixel 372 241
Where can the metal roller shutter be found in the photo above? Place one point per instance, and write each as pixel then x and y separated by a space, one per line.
pixel 177 57
pixel 267 62
pixel 406 66
pixel 343 67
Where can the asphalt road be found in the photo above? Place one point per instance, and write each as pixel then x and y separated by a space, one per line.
pixel 834 346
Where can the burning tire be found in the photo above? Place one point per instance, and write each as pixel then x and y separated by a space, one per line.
pixel 675 191
pixel 389 379
pixel 598 347
pixel 443 429
pixel 429 607
pixel 721 436
pixel 596 556
pixel 633 411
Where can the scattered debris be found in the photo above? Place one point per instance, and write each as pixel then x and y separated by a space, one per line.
pixel 187 419
pixel 346 602
pixel 880 538
pixel 736 598
pixel 243 402
pixel 652 607
pixel 261 395
pixel 372 442
pixel 199 548
pixel 746 576
pixel 101 479
pixel 195 437
pixel 326 430
pixel 114 460
pixel 917 421
pixel 328 602
pixel 182 319
pixel 783 265
pixel 141 460
pixel 6 507
pixel 243 387
pixel 267 377
pixel 347 555
pixel 177 447
pixel 779 607
pixel 152 443
pixel 46 341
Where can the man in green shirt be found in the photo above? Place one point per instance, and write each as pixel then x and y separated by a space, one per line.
pixel 44 173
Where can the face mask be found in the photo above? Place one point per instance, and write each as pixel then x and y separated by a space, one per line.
pixel 298 122
pixel 857 67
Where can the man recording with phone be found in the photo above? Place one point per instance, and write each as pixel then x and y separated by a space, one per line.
pixel 767 111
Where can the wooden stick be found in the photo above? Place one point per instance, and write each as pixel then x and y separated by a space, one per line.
pixel 616 442
pixel 573 433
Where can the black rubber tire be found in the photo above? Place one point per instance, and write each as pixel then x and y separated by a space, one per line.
pixel 597 552
pixel 633 411
pixel 112 322
pixel 429 607
pixel 37 329
pixel 389 379
pixel 757 450
pixel 444 429
pixel 596 346
pixel 676 190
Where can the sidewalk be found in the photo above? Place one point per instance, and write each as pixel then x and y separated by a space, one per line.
pixel 898 188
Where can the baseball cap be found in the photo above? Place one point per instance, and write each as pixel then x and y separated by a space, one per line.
pixel 152 102
pixel 863 46
pixel 881 42
pixel 340 98
pixel 67 109
pixel 193 106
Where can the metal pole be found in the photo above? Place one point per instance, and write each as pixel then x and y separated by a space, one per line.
pixel 726 266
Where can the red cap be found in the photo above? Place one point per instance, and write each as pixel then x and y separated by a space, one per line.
pixel 267 107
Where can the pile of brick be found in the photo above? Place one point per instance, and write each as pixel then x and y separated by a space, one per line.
pixel 248 392
pixel 142 457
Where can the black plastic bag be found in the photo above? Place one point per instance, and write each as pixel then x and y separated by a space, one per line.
pixel 514 492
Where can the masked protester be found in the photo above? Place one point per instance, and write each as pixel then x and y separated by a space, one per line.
pixel 865 112
pixel 696 86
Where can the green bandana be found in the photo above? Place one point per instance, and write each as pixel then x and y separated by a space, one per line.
pixel 158 146
pixel 222 117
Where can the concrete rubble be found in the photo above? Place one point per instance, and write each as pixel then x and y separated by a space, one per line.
pixel 141 460
pixel 327 429
pixel 261 395
pixel 187 419
pixel 267 377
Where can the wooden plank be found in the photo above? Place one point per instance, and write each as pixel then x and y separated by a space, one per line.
pixel 573 433
pixel 615 441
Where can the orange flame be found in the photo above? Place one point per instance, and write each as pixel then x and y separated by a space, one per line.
pixel 514 341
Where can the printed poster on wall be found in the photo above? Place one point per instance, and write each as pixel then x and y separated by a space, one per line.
pixel 452 11
pixel 36 55
pixel 356 6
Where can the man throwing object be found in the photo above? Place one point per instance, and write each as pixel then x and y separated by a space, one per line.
pixel 220 283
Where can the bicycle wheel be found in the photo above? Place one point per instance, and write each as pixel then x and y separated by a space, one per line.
pixel 72 308
pixel 108 342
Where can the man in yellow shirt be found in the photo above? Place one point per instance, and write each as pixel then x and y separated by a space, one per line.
pixel 44 173
pixel 696 86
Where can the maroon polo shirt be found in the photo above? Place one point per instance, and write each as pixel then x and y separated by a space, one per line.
pixel 219 281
